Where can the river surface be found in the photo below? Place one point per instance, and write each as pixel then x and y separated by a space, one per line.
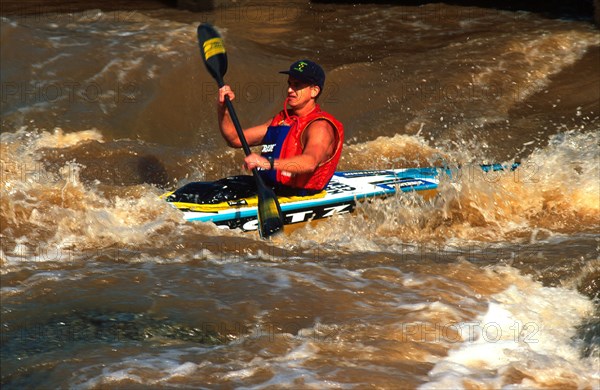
pixel 493 283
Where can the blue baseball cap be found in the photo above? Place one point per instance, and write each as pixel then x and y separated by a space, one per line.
pixel 307 71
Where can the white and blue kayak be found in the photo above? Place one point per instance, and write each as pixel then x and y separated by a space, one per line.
pixel 232 202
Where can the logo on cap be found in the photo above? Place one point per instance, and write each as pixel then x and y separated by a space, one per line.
pixel 300 66
pixel 308 72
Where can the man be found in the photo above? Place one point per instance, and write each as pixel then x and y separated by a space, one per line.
pixel 301 145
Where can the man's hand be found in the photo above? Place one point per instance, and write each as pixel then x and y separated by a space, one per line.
pixel 254 160
pixel 225 91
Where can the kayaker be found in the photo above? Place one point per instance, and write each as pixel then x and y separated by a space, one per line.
pixel 301 145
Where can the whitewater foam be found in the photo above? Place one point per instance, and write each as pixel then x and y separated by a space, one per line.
pixel 521 341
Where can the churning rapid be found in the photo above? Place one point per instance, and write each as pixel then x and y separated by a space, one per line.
pixel 492 283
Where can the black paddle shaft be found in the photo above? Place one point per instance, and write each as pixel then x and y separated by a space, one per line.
pixel 238 127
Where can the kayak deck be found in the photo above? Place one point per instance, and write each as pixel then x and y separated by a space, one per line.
pixel 340 196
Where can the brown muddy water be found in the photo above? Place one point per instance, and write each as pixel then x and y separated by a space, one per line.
pixel 493 283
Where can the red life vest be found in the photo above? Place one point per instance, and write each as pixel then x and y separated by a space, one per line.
pixel 290 144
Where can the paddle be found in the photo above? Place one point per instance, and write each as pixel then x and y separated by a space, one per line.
pixel 270 219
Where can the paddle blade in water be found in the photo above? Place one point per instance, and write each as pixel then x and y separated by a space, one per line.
pixel 270 220
pixel 213 52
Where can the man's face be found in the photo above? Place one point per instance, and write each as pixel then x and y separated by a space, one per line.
pixel 299 92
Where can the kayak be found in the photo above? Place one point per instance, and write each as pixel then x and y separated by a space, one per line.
pixel 231 202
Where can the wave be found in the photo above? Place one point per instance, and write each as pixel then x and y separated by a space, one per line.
pixel 554 192
pixel 520 341
pixel 54 209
